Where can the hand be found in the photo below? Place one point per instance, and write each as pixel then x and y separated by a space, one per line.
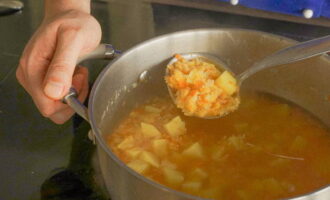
pixel 47 68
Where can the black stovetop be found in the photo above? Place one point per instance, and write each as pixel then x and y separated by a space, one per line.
pixel 78 180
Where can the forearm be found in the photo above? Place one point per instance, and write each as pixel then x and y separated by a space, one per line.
pixel 53 7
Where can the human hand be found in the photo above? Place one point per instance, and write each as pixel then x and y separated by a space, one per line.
pixel 47 68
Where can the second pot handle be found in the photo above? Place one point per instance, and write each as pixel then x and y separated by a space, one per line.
pixel 103 51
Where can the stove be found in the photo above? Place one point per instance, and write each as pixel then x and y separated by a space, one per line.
pixel 81 179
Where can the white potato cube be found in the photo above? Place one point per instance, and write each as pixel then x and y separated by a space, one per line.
pixel 149 130
pixel 167 164
pixel 133 153
pixel 195 151
pixel 191 186
pixel 198 174
pixel 176 127
pixel 160 147
pixel 127 143
pixel 298 144
pixel 227 82
pixel 173 176
pixel 152 109
pixel 237 141
pixel 139 166
pixel 218 153
pixel 149 158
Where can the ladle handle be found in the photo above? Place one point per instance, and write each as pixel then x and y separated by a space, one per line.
pixel 294 53
pixel 9 6
pixel 103 51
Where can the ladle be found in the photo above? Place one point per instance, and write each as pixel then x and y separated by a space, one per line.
pixel 287 55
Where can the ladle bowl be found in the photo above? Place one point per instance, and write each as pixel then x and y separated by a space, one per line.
pixel 287 55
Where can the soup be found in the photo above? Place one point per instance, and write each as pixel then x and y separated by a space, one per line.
pixel 267 149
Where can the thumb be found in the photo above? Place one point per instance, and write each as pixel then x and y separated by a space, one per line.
pixel 58 79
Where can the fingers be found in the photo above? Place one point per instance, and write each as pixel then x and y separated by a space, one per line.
pixel 33 67
pixel 32 73
pixel 80 83
pixel 59 76
pixel 48 62
pixel 62 116
pixel 20 77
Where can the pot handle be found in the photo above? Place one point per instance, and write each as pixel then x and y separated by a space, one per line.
pixel 103 51
pixel 8 7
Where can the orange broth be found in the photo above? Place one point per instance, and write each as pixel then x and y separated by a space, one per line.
pixel 267 149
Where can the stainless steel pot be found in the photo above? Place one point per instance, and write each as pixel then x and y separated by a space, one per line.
pixel 137 75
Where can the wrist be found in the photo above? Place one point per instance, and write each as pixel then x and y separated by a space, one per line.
pixel 54 7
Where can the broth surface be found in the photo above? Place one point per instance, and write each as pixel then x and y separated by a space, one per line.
pixel 267 149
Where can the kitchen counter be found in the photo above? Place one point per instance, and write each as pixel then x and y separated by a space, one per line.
pixel 31 147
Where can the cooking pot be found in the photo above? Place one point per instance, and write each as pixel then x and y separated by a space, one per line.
pixel 138 75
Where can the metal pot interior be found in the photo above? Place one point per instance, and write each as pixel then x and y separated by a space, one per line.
pixel 118 88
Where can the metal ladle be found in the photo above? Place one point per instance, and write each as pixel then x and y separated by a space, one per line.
pixel 287 55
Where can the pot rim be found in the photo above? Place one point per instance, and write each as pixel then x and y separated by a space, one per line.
pixel 100 77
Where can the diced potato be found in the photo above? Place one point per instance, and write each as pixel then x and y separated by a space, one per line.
pixel 237 141
pixel 148 118
pixel 168 164
pixel 195 151
pixel 149 158
pixel 288 186
pixel 127 143
pixel 218 153
pixel 149 131
pixel 191 186
pixel 227 82
pixel 133 153
pixel 298 144
pixel 198 174
pixel 133 114
pixel 139 166
pixel 152 109
pixel 176 127
pixel 273 186
pixel 160 147
pixel 172 176
pixel 270 185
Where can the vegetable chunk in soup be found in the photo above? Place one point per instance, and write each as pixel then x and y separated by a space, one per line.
pixel 266 150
